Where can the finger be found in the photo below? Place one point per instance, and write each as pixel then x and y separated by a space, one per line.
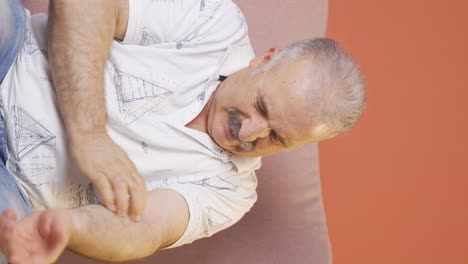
pixel 7 225
pixel 58 237
pixel 9 240
pixel 3 222
pixel 45 224
pixel 105 189
pixel 135 177
pixel 137 191
pixel 46 228
pixel 4 232
pixel 10 214
pixel 121 197
pixel 137 202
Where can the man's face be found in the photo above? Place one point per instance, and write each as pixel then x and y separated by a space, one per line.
pixel 265 113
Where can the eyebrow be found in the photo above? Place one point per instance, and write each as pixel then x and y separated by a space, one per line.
pixel 264 107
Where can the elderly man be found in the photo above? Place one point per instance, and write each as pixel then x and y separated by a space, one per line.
pixel 137 125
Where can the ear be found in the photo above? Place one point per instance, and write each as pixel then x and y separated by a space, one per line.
pixel 261 60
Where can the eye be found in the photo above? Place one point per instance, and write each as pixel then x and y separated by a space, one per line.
pixel 274 138
pixel 260 108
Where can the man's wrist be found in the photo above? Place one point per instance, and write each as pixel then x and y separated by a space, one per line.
pixel 81 137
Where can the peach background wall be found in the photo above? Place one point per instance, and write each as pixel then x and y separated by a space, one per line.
pixel 396 187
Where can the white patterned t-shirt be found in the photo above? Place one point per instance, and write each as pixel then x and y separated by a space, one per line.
pixel 157 80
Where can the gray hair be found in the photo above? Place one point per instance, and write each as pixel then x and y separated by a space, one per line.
pixel 339 97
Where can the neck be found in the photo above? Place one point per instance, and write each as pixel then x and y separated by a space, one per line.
pixel 200 122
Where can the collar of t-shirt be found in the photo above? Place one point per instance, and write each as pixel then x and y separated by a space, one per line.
pixel 234 59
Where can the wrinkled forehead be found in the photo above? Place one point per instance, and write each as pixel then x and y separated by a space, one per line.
pixel 297 77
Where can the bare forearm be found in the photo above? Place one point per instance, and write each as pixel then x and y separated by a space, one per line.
pixel 100 234
pixel 80 34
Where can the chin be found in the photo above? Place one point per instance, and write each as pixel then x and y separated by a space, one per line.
pixel 218 137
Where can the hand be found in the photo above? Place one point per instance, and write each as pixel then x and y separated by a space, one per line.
pixel 38 238
pixel 110 169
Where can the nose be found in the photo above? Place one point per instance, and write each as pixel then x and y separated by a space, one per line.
pixel 252 129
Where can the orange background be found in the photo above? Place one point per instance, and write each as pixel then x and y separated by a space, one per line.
pixel 396 186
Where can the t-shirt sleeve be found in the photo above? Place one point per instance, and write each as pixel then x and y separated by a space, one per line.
pixel 215 204
pixel 159 21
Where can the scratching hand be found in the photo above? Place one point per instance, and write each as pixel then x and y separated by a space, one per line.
pixel 110 169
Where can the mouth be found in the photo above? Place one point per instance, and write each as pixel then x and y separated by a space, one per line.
pixel 239 146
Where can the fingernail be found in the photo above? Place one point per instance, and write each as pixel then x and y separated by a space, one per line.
pixel 112 208
pixel 137 218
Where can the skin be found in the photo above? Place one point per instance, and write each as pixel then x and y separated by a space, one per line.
pixel 93 231
pixel 79 43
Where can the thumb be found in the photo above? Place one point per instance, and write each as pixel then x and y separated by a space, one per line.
pixel 55 230
pixel 10 214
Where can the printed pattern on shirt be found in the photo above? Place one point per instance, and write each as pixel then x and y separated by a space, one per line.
pixel 37 170
pixel 30 44
pixel 137 96
pixel 28 134
pixel 32 147
pixel 147 39
pixel 216 183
